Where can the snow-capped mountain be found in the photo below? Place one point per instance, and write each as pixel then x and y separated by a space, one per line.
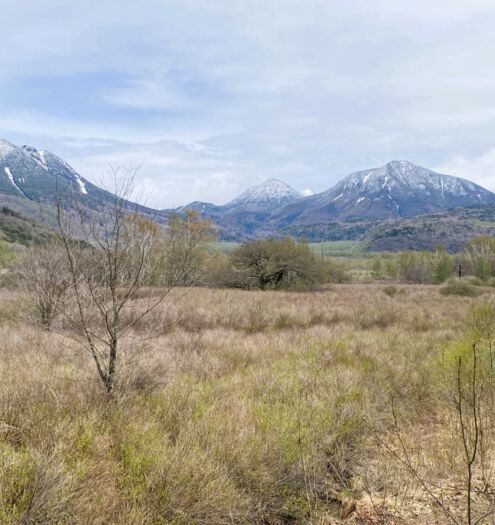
pixel 403 189
pixel 271 193
pixel 242 216
pixel 29 174
pixel 398 189
pixel 34 174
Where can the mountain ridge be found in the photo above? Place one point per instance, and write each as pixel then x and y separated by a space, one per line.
pixel 29 175
pixel 398 190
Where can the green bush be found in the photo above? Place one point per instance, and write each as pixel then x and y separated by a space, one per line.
pixel 425 267
pixel 277 263
pixel 332 271
pixel 480 251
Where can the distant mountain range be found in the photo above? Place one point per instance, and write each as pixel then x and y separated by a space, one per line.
pixel 400 189
pixel 365 205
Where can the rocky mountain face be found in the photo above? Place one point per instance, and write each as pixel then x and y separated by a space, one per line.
pixel 33 174
pixel 398 189
pixel 29 176
pixel 266 197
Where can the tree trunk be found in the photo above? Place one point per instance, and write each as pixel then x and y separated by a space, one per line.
pixel 112 365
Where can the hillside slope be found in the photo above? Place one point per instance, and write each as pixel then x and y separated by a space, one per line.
pixel 398 189
pixel 451 229
pixel 32 177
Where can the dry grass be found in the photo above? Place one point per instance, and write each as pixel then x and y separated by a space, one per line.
pixel 247 407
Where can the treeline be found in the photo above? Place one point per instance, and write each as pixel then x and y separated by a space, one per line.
pixel 263 264
pixel 289 264
pixel 183 255
pixel 477 260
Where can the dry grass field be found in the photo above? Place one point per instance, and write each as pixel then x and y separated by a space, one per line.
pixel 243 408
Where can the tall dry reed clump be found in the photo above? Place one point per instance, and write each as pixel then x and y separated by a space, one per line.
pixel 247 408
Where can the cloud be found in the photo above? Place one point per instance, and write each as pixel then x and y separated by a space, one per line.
pixel 169 173
pixel 142 94
pixel 211 96
pixel 479 169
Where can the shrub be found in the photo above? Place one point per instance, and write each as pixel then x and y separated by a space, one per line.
pixel 460 287
pixel 218 272
pixel 480 251
pixel 43 275
pixel 183 254
pixel 472 279
pixel 481 320
pixel 334 272
pixel 425 267
pixel 392 290
pixel 375 318
pixel 274 263
pixel 442 266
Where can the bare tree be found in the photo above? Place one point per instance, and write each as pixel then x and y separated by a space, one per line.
pixel 186 237
pixel 108 266
pixel 42 275
pixel 469 397
pixel 480 252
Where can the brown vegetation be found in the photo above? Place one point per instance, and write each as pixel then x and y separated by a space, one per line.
pixel 263 407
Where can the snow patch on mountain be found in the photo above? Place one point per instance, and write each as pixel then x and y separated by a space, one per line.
pixel 81 184
pixel 37 156
pixel 12 181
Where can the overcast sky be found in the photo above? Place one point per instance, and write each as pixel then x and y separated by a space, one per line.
pixel 209 97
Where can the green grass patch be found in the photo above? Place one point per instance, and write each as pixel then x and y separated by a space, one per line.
pixel 223 246
pixel 327 248
pixel 339 248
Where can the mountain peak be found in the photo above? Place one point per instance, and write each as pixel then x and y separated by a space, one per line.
pixel 402 166
pixel 272 192
pixel 36 174
pixel 6 147
pixel 396 189
pixel 402 189
pixel 273 181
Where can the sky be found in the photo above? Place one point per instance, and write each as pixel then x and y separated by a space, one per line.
pixel 208 97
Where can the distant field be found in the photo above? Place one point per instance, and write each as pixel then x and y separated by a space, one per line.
pixel 333 248
pixel 339 248
pixel 224 246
